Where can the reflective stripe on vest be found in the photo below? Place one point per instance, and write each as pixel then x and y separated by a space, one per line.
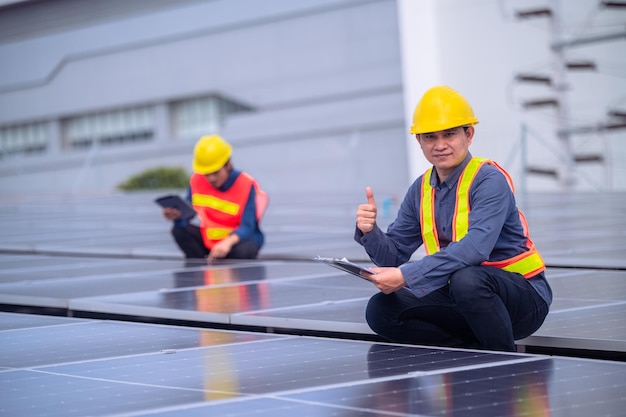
pixel 461 209
pixel 215 203
pixel 217 233
pixel 528 263
pixel 427 219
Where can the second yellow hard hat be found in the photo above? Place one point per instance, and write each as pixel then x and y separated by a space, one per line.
pixel 210 154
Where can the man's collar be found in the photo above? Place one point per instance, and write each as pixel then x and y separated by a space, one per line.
pixel 232 176
pixel 452 179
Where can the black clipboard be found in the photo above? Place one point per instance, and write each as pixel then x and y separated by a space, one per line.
pixel 346 266
pixel 173 201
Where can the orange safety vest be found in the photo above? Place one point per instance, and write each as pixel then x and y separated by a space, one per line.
pixel 528 263
pixel 220 212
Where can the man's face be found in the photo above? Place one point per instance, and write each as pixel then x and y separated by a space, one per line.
pixel 218 178
pixel 446 149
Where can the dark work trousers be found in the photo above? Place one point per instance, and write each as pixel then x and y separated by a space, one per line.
pixel 189 240
pixel 482 307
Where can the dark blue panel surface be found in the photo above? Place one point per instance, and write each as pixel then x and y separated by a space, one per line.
pixel 31 394
pixel 106 339
pixel 10 321
pixel 230 299
pixel 275 365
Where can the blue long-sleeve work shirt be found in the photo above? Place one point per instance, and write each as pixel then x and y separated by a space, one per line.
pixel 495 232
pixel 249 227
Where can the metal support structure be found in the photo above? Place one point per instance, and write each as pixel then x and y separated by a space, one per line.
pixel 558 82
pixel 568 43
pixel 524 158
pixel 566 170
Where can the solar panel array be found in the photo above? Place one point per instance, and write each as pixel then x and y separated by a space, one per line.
pixel 112 257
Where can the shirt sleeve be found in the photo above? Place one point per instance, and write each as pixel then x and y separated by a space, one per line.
pixel 181 222
pixel 248 220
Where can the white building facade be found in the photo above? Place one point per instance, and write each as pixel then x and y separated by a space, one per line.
pixel 314 95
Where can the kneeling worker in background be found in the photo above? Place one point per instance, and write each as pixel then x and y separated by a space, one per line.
pixel 229 204
pixel 481 283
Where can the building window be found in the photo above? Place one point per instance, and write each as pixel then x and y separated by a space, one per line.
pixel 26 139
pixel 196 117
pixel 109 128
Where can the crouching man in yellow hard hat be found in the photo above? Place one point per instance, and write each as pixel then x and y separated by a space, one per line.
pixel 229 204
pixel 481 283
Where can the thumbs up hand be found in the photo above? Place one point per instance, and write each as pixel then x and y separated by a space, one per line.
pixel 366 213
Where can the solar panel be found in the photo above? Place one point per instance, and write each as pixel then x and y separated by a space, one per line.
pixel 297 296
pixel 9 321
pixel 105 368
pixel 318 284
pixel 587 313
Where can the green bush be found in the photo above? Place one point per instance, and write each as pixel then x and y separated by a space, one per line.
pixel 157 178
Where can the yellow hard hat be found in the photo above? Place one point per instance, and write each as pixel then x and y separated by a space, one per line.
pixel 441 108
pixel 210 154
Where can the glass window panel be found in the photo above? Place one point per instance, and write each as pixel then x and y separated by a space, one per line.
pixel 41 136
pixel 106 125
pixel 119 122
pixel 5 141
pixel 111 127
pixel 81 128
pixel 128 120
pixel 19 137
pixel 145 119
pixel 29 136
pixel 100 125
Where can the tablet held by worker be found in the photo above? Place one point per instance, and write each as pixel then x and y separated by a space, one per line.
pixel 174 201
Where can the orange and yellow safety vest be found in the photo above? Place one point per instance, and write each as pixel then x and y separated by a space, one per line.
pixel 220 212
pixel 528 263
